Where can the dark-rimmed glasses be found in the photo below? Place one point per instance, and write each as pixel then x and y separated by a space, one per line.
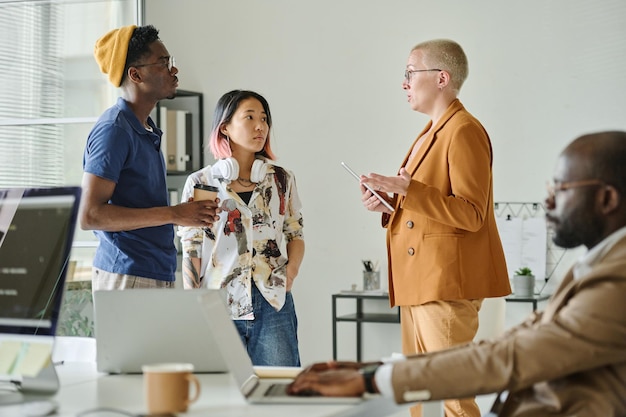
pixel 555 186
pixel 408 74
pixel 170 63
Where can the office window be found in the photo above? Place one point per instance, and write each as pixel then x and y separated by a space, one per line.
pixel 52 89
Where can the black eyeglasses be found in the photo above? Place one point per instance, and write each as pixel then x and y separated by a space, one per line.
pixel 168 63
pixel 408 74
pixel 554 187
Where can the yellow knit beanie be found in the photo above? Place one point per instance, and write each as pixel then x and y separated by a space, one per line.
pixel 111 51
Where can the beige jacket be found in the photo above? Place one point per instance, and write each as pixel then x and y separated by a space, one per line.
pixel 569 360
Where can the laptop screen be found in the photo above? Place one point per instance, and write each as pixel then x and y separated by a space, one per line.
pixel 36 232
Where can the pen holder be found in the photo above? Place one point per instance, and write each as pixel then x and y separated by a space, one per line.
pixel 371 280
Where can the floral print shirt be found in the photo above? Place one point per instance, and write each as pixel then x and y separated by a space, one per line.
pixel 246 243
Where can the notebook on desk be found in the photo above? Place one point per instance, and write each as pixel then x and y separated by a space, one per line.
pixel 36 233
pixel 142 326
pixel 254 388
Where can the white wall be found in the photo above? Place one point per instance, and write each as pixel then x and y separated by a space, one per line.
pixel 541 73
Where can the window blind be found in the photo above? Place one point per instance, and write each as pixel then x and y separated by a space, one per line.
pixel 31 80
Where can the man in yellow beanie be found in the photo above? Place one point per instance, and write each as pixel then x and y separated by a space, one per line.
pixel 125 197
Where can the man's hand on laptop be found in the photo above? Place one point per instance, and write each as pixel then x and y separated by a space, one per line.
pixel 330 379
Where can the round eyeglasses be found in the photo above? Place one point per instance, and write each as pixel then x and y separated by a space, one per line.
pixel 408 74
pixel 167 62
pixel 554 187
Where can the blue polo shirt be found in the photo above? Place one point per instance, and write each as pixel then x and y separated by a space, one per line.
pixel 121 150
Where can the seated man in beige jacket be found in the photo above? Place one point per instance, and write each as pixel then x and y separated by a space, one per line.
pixel 569 360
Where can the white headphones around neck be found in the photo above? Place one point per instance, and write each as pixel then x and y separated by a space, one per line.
pixel 227 169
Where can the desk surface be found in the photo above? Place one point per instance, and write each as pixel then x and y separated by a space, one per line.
pixel 83 388
pixel 219 396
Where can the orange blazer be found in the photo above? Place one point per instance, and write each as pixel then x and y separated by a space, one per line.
pixel 442 239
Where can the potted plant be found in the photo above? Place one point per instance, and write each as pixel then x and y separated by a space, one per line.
pixel 524 282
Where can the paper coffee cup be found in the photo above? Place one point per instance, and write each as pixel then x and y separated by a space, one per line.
pixel 204 192
pixel 166 387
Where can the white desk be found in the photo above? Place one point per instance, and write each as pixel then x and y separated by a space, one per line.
pixel 83 388
pixel 219 395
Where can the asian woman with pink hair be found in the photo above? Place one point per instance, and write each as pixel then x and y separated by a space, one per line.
pixel 255 249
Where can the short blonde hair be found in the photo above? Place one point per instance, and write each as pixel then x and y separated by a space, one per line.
pixel 447 55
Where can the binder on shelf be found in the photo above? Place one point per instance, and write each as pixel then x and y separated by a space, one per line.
pixel 184 135
pixel 172 139
pixel 177 139
pixel 181 142
pixel 163 126
pixel 173 196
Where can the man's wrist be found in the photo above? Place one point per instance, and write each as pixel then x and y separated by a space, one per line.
pixel 368 373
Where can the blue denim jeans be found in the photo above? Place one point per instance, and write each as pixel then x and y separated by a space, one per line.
pixel 271 339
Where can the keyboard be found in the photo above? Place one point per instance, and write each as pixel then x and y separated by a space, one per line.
pixel 280 390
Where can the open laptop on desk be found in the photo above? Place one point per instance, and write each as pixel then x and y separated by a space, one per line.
pixel 141 326
pixel 254 388
pixel 36 233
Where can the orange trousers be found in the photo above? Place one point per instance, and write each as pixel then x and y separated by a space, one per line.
pixel 440 325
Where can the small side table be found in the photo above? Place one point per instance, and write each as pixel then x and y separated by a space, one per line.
pixel 534 299
pixel 360 317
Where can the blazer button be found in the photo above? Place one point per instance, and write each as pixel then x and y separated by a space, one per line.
pixel 409 224
pixel 411 251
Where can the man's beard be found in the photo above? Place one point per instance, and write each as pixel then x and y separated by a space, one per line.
pixel 579 227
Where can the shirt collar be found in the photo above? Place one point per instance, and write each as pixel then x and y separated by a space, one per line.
pixel 154 136
pixel 132 118
pixel 597 253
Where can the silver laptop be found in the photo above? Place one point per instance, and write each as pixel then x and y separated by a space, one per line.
pixel 36 233
pixel 255 389
pixel 142 326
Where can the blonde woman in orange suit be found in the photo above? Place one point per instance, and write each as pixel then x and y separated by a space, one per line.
pixel 444 252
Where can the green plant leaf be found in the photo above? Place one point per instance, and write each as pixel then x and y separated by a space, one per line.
pixel 524 271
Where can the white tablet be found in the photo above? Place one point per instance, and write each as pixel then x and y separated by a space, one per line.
pixel 358 178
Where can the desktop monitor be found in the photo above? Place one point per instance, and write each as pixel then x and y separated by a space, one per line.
pixel 36 232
